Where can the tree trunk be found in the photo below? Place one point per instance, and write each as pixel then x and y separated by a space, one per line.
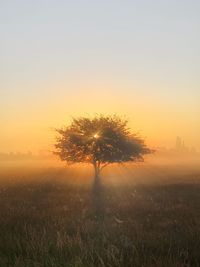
pixel 96 170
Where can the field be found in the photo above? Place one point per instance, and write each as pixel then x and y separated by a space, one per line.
pixel 143 216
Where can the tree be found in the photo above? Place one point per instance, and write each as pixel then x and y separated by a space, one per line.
pixel 100 141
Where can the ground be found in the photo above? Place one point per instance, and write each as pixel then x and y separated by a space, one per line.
pixel 146 217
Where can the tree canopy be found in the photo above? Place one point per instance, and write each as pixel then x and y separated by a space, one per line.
pixel 100 141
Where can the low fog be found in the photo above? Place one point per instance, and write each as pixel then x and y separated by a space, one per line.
pixel 156 168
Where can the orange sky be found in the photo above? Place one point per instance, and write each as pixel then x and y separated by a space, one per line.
pixel 30 119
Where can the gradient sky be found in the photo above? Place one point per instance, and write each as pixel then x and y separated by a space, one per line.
pixel 137 58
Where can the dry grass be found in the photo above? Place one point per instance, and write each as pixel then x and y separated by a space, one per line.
pixel 50 223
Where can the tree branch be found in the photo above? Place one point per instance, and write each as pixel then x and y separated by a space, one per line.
pixel 103 166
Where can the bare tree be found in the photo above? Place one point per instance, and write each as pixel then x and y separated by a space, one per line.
pixel 101 140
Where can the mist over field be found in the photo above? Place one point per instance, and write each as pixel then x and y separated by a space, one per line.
pixel 155 168
pixel 158 168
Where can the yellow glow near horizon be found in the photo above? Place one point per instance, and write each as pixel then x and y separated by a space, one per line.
pixel 30 126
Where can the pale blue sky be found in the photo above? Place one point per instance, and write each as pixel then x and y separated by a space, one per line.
pixel 140 48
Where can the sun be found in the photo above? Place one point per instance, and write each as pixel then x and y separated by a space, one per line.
pixel 96 136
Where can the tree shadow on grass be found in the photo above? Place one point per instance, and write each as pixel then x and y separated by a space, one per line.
pixel 98 199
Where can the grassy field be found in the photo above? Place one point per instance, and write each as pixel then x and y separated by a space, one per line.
pixel 52 218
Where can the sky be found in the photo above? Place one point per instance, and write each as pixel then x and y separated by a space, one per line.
pixel 136 58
